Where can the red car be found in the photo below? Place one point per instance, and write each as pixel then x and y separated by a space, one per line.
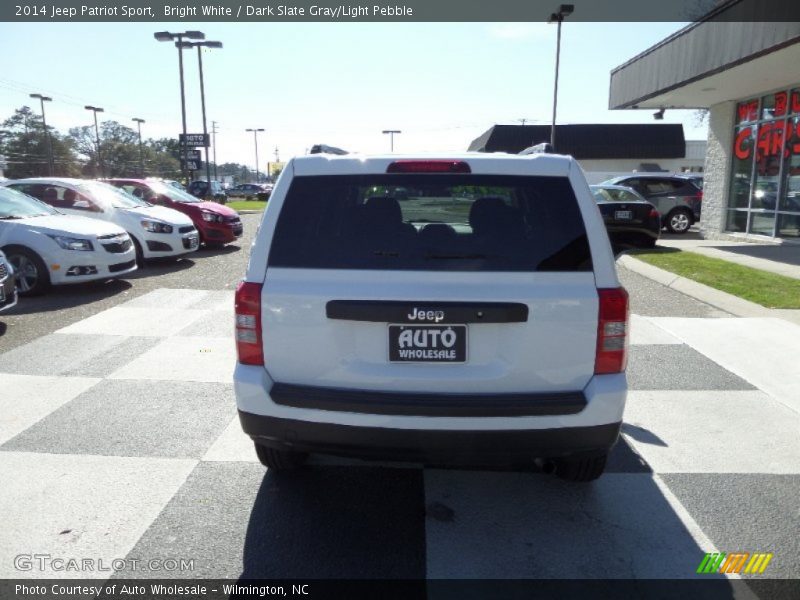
pixel 216 223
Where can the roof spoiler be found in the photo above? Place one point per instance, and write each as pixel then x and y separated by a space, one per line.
pixel 323 149
pixel 543 148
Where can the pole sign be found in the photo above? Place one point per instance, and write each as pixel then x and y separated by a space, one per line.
pixel 191 155
pixel 194 140
pixel 191 165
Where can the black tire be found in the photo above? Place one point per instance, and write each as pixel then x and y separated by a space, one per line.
pixel 679 221
pixel 581 469
pixel 279 460
pixel 33 279
pixel 140 260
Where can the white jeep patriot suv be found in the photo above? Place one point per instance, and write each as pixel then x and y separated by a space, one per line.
pixel 450 310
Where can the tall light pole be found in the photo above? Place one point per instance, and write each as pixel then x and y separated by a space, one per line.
pixel 200 46
pixel 214 145
pixel 558 17
pixel 255 139
pixel 95 110
pixel 141 148
pixel 166 36
pixel 391 133
pixel 50 162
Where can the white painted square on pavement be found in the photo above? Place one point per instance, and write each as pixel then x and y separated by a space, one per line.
pixel 644 331
pixel 233 445
pixel 713 432
pixel 208 359
pixel 26 399
pixel 78 506
pixel 148 322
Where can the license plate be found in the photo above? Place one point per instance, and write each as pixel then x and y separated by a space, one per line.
pixel 623 215
pixel 428 343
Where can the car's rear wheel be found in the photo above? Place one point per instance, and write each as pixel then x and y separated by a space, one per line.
pixel 279 460
pixel 679 221
pixel 581 469
pixel 30 271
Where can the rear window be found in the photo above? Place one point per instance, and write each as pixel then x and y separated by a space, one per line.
pixel 431 222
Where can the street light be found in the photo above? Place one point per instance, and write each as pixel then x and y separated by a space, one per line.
pixel 200 46
pixel 166 36
pixel 141 150
pixel 96 110
pixel 557 17
pixel 391 133
pixel 255 139
pixel 44 99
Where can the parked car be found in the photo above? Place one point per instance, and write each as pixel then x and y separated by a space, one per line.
pixel 47 248
pixel 201 189
pixel 677 197
pixel 478 321
pixel 630 219
pixel 250 190
pixel 217 224
pixel 156 231
pixel 8 288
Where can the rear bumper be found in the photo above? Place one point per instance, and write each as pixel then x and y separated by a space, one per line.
pixel 442 433
pixel 445 446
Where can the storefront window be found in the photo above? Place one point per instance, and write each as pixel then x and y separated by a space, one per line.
pixel 765 171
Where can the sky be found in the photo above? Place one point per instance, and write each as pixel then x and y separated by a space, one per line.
pixel 341 84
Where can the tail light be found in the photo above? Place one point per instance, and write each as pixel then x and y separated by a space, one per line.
pixel 249 347
pixel 429 166
pixel 653 214
pixel 612 332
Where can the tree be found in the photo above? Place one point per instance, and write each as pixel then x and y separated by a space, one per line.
pixel 24 144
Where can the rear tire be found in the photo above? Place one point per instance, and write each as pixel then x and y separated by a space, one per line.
pixel 33 279
pixel 581 469
pixel 279 460
pixel 679 221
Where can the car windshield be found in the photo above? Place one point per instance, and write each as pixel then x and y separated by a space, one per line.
pixel 107 196
pixel 174 193
pixel 16 205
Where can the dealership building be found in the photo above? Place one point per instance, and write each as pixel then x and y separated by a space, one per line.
pixel 747 74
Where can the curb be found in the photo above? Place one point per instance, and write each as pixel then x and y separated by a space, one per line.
pixel 716 298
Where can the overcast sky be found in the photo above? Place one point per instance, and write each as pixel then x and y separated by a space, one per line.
pixel 336 83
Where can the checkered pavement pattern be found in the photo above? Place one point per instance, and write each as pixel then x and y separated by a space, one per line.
pixel 119 439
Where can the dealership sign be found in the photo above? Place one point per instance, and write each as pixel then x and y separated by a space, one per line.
pixel 194 140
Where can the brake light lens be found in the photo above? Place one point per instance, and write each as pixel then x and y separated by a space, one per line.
pixel 612 332
pixel 249 346
pixel 653 214
pixel 428 166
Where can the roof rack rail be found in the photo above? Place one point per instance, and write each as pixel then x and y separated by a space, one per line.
pixel 543 148
pixel 323 149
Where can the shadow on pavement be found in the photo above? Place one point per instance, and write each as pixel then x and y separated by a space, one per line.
pixel 161 266
pixel 69 296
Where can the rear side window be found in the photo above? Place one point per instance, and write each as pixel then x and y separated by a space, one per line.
pixel 431 222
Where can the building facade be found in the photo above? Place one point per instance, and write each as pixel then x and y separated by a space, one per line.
pixel 745 73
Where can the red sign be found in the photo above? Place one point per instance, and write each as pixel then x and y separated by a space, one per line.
pixel 796 101
pixel 747 111
pixel 772 141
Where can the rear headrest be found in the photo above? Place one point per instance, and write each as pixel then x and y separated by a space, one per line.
pixel 383 210
pixel 486 211
pixel 50 195
pixel 70 195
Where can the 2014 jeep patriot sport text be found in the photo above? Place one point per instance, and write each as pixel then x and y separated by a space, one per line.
pixel 450 310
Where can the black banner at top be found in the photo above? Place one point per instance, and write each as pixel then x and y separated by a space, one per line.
pixel 779 11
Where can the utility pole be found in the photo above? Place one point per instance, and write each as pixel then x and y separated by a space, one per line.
pixel 50 162
pixel 255 141
pixel 558 17
pixel 95 110
pixel 141 148
pixel 391 133
pixel 214 145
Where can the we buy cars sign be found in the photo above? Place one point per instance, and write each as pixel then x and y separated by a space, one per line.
pixel 194 140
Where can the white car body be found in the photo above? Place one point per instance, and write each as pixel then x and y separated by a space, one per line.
pixel 183 238
pixel 112 253
pixel 8 292
pixel 552 353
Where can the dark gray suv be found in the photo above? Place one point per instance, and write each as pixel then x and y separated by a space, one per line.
pixel 677 197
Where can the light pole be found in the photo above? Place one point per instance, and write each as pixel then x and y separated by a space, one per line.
pixel 95 110
pixel 255 140
pixel 141 149
pixel 557 17
pixel 166 36
pixel 214 145
pixel 200 46
pixel 391 133
pixel 50 161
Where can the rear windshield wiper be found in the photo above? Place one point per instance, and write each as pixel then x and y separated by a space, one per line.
pixel 454 256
